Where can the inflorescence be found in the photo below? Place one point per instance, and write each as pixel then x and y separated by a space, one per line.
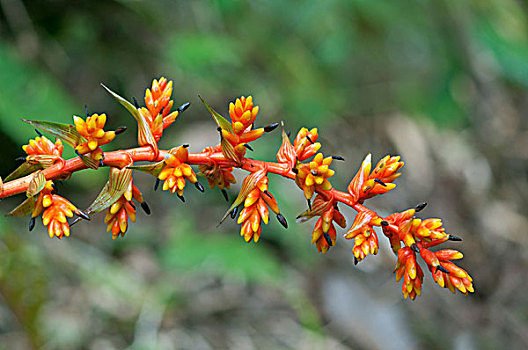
pixel 410 237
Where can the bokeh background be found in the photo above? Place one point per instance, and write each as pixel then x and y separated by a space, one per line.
pixel 444 83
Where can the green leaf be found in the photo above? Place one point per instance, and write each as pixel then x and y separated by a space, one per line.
pixel 145 136
pixel 220 121
pixel 23 170
pixel 117 184
pixel 37 184
pixel 153 169
pixel 25 208
pixel 66 132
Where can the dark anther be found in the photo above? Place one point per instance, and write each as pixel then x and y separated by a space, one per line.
pixel 86 109
pixel 82 214
pixel 157 184
pixel 355 261
pixel 338 158
pixel 77 153
pixel 145 208
pixel 20 159
pixel 183 107
pixel 132 205
pixel 268 194
pixel 101 161
pixel 224 192
pixel 454 238
pixel 420 206
pixel 31 224
pixel 199 186
pixel 309 139
pixel 181 198
pixel 314 172
pixel 380 182
pixel 288 133
pixel 120 130
pixel 309 204
pixel 295 170
pixel 282 220
pixel 327 238
pixel 185 145
pixel 248 147
pixel 38 132
pixel 234 213
pixel 414 247
pixel 219 129
pixel 384 223
pixel 136 104
pixel 441 268
pixel 271 127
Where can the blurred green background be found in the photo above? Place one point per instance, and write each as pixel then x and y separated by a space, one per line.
pixel 443 83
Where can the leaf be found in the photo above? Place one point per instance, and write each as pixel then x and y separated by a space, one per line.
pixel 23 170
pixel 249 183
pixel 44 160
pixel 153 169
pixel 145 136
pixel 65 132
pixel 38 181
pixel 117 184
pixel 25 208
pixel 220 121
pixel 286 153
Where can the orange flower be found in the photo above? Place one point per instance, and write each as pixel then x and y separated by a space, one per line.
pixel 314 175
pixel 365 238
pixel 158 102
pixel 255 210
pixel 243 114
pixel 411 272
pixel 305 144
pixel 92 131
pixel 366 185
pixel 176 171
pixel 429 229
pixel 42 146
pixel 117 217
pixel 445 273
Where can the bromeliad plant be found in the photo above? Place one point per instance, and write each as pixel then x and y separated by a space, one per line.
pixel 410 237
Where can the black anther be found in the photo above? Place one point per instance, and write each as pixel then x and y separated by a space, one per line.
pixel 282 220
pixel 145 208
pixel 271 127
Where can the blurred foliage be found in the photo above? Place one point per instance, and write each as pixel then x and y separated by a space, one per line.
pixel 364 72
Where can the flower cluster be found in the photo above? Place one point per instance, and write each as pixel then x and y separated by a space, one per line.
pixel 324 233
pixel 410 237
pixel 159 103
pixel 176 170
pixel 365 238
pixel 94 135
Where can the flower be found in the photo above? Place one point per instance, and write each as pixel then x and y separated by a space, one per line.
pixel 243 114
pixel 365 238
pixel 255 210
pixel 158 102
pixel 429 229
pixel 176 171
pixel 305 144
pixel 117 217
pixel 92 131
pixel 314 175
pixel 445 273
pixel 366 185
pixel 411 272
pixel 42 146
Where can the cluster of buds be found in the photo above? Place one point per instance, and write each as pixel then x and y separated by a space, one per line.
pixel 159 103
pixel 94 134
pixel 410 237
pixel 324 234
pixel 364 235
pixel 176 170
pixel 314 175
pixel 366 184
pixel 55 210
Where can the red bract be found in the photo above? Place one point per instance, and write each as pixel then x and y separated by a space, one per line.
pixel 410 237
